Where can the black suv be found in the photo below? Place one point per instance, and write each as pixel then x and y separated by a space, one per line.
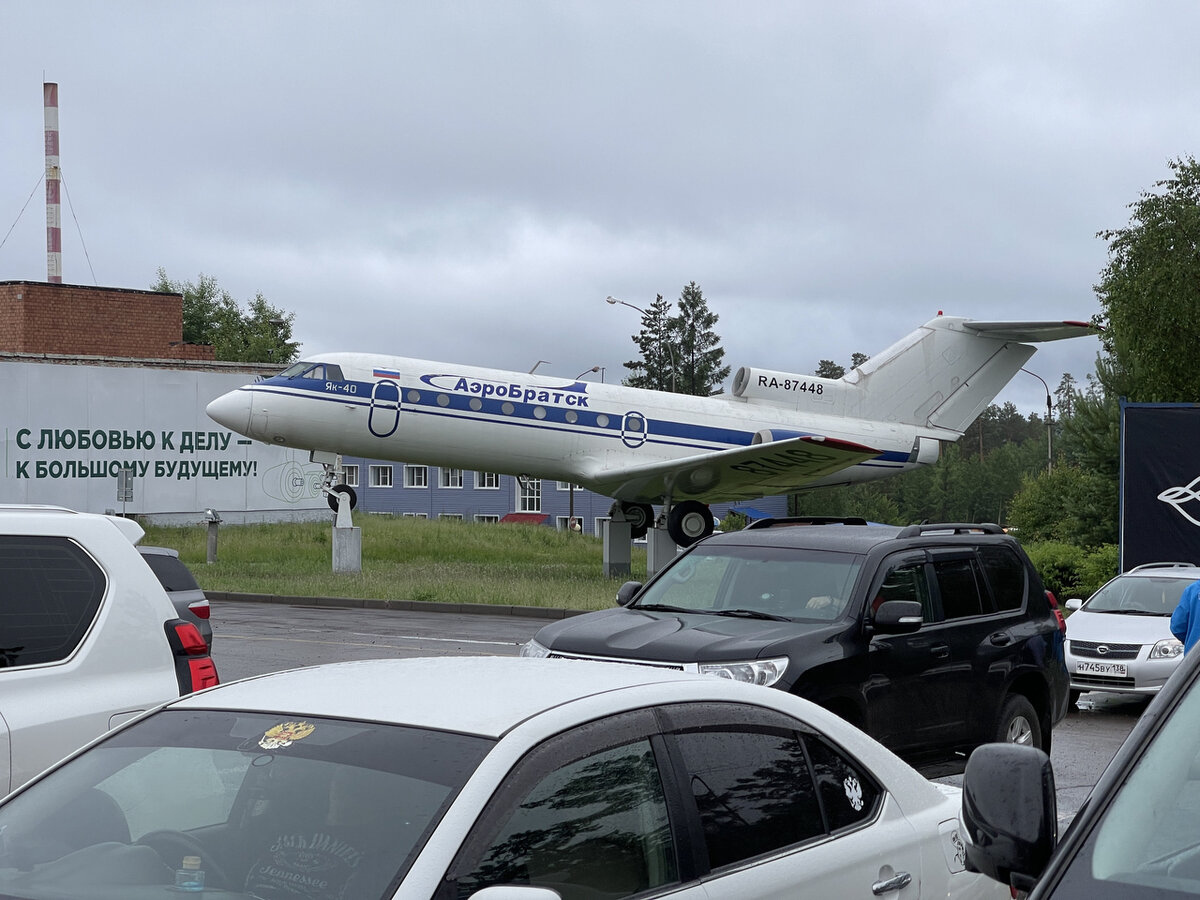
pixel 933 639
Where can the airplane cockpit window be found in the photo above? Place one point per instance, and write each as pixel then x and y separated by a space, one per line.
pixel 315 371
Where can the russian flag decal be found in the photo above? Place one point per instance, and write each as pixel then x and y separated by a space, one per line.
pixel 386 373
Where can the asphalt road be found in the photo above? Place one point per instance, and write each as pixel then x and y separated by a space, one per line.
pixel 254 638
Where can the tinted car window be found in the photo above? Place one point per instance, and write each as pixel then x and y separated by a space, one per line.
pixel 173 574
pixel 760 784
pixel 907 583
pixel 847 795
pixel 595 826
pixel 1005 574
pixel 752 790
pixel 958 587
pixel 50 590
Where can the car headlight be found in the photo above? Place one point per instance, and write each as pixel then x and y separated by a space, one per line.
pixel 534 650
pixel 1168 649
pixel 755 671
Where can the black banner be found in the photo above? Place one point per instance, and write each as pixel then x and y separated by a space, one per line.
pixel 1160 483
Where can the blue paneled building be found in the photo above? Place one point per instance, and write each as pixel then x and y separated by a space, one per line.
pixel 434 492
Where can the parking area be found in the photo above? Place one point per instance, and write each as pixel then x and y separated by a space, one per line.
pixel 254 638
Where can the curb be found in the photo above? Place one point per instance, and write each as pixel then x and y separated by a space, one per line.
pixel 479 609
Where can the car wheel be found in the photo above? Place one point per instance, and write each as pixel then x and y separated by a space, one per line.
pixel 1019 723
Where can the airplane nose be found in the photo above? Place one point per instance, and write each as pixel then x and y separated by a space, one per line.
pixel 232 410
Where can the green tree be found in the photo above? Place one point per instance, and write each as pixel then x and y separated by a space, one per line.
pixel 698 347
pixel 827 368
pixel 1149 293
pixel 655 368
pixel 211 315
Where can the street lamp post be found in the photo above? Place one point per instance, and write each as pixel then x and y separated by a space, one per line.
pixel 610 299
pixel 1049 422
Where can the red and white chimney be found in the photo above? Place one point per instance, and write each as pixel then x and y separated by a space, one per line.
pixel 53 184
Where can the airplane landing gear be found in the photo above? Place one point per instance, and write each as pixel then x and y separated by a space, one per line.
pixel 331 495
pixel 688 522
pixel 640 517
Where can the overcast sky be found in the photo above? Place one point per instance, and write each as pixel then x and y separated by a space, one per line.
pixel 467 181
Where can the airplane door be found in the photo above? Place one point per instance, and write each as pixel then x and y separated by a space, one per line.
pixel 384 417
pixel 633 429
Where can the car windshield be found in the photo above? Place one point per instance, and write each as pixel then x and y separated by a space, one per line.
pixel 267 806
pixel 772 581
pixel 1147 843
pixel 1139 595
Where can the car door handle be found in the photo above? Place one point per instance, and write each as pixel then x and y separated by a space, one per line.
pixel 1001 639
pixel 940 651
pixel 897 882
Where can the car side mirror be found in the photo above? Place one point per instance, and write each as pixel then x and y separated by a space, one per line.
pixel 1009 813
pixel 898 617
pixel 627 591
pixel 1073 604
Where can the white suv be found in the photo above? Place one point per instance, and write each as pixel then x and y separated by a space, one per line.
pixel 88 636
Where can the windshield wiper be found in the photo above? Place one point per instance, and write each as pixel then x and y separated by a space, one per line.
pixel 752 614
pixel 666 607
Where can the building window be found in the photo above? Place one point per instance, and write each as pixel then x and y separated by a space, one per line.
pixel 414 515
pixel 350 475
pixel 381 476
pixel 569 523
pixel 454 517
pixel 529 495
pixel 452 478
pixel 598 524
pixel 416 476
pixel 566 486
pixel 489 520
pixel 487 481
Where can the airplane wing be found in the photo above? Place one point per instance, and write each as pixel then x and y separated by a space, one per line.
pixel 742 473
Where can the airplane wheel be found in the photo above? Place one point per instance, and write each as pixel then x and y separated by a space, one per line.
pixel 342 489
pixel 688 522
pixel 640 517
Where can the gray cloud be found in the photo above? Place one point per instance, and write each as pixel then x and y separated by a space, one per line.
pixel 468 181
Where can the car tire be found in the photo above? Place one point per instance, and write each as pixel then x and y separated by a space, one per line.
pixel 1073 700
pixel 1019 723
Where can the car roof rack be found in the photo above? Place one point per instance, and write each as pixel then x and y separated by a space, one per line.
pixel 772 521
pixel 910 531
pixel 1163 565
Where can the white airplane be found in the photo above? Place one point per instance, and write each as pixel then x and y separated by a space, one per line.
pixel 775 433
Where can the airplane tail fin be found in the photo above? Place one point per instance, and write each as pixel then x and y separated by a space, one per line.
pixel 939 377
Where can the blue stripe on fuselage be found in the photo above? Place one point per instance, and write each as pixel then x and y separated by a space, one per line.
pixel 445 404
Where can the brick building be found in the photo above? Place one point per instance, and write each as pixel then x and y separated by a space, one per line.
pixel 76 320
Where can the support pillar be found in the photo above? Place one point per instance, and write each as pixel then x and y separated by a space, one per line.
pixel 618 548
pixel 660 550
pixel 347 550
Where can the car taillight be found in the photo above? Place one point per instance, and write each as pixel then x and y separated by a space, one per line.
pixel 200 609
pixel 1062 623
pixel 194 667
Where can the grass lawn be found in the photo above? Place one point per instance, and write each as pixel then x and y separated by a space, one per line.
pixel 405 559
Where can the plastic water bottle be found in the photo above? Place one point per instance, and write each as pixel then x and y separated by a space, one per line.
pixel 189 877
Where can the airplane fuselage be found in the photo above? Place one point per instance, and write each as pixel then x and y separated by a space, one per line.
pixel 430 413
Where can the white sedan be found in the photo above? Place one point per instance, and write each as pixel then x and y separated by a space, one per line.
pixel 480 777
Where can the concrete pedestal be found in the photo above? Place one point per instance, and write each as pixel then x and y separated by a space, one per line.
pixel 347 550
pixel 618 549
pixel 660 550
